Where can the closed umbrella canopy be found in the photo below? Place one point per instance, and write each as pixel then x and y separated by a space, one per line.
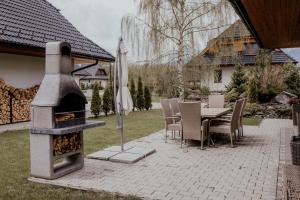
pixel 123 99
pixel 122 68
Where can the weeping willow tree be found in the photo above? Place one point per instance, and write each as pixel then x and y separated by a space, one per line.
pixel 173 31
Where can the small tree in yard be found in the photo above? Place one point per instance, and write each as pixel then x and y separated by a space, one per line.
pixel 292 78
pixel 252 89
pixel 82 86
pixel 112 99
pixel 147 97
pixel 238 80
pixel 106 101
pixel 133 93
pixel 140 95
pixel 96 101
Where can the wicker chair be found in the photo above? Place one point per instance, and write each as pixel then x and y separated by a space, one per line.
pixel 241 129
pixel 216 101
pixel 171 123
pixel 230 125
pixel 193 128
pixel 174 103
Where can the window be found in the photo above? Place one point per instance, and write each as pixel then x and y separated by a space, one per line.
pixel 218 76
pixel 255 49
pixel 245 49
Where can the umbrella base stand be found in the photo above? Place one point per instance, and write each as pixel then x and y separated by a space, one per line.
pixel 129 155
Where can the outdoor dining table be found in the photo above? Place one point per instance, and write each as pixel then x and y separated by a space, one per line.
pixel 211 113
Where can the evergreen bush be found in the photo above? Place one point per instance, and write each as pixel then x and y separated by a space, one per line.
pixel 238 80
pixel 112 99
pixel 147 98
pixel 133 93
pixel 106 101
pixel 140 95
pixel 292 78
pixel 96 101
pixel 252 89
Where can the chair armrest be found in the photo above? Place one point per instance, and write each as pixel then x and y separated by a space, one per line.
pixel 173 117
pixel 221 119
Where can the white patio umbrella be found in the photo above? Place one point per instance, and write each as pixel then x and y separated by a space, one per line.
pixel 123 100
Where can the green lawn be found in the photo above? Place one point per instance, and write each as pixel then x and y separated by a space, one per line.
pixel 252 121
pixel 14 159
pixel 155 98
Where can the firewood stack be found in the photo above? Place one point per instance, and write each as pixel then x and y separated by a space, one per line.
pixel 66 143
pixel 20 102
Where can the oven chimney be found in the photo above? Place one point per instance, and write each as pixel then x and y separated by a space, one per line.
pixel 58 58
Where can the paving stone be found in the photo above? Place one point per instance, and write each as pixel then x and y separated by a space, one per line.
pixel 248 171
pixel 102 155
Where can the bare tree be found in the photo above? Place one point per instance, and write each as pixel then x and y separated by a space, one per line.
pixel 173 31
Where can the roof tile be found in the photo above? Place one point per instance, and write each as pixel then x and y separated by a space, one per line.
pixel 36 22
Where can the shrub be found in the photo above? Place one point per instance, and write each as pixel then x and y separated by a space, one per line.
pixel 265 95
pixel 96 101
pixel 147 97
pixel 284 113
pixel 252 108
pixel 232 95
pixel 106 101
pixel 252 90
pixel 238 80
pixel 140 95
pixel 82 86
pixel 112 99
pixel 292 79
pixel 205 90
pixel 133 93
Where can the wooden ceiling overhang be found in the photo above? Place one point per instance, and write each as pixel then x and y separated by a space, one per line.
pixel 274 23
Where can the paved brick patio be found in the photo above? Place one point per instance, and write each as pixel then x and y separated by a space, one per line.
pixel 248 171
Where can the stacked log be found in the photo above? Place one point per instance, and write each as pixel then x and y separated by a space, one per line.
pixel 66 143
pixel 21 100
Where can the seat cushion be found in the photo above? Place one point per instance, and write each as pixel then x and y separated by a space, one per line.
pixel 222 128
pixel 175 127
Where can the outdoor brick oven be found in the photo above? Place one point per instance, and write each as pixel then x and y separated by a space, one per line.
pixel 58 118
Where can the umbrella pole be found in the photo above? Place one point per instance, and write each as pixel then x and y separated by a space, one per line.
pixel 121 102
pixel 118 114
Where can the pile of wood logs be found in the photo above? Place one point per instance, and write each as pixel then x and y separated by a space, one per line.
pixel 21 100
pixel 66 143
pixel 64 117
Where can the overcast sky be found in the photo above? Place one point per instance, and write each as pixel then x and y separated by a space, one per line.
pixel 99 20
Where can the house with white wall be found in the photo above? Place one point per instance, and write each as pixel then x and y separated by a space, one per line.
pixel 90 76
pixel 25 28
pixel 235 44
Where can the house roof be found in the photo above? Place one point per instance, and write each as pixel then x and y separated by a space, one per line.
pixel 278 57
pixel 94 73
pixel 82 73
pixel 236 30
pixel 33 23
pixel 239 30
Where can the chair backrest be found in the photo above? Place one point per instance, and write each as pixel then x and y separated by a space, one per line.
pixel 191 120
pixel 174 103
pixel 235 120
pixel 243 110
pixel 216 101
pixel 166 110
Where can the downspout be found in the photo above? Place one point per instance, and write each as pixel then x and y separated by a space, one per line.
pixel 86 67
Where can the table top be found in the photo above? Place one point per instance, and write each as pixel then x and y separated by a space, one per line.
pixel 214 112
